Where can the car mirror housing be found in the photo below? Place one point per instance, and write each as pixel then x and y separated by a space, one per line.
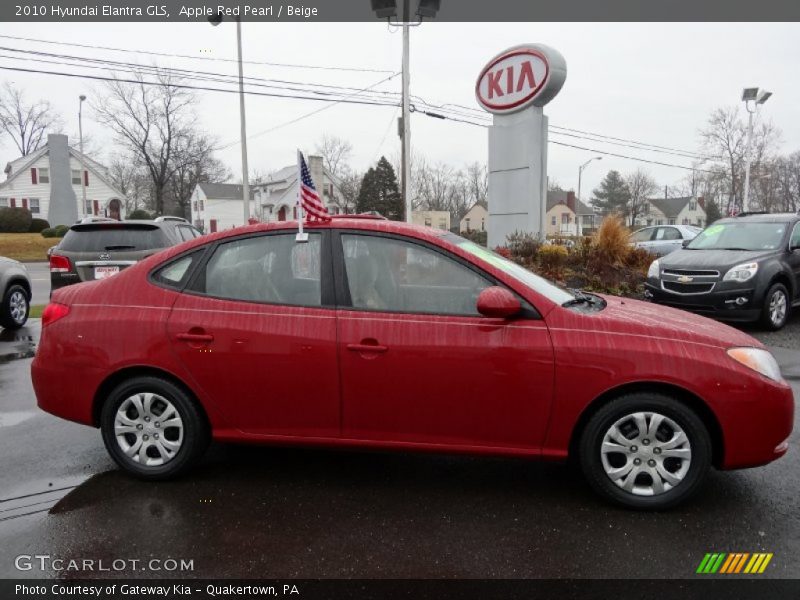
pixel 685 243
pixel 498 302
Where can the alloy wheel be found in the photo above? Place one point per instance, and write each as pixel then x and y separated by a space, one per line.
pixel 777 308
pixel 148 429
pixel 18 306
pixel 646 453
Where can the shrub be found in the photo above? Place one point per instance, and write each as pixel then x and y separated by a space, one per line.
pixel 552 259
pixel 479 237
pixel 48 232
pixel 503 251
pixel 523 247
pixel 612 242
pixel 139 213
pixel 38 225
pixel 61 230
pixel 15 220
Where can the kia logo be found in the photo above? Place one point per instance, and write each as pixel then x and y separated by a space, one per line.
pixel 520 76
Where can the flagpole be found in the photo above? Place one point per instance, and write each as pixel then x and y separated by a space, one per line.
pixel 301 235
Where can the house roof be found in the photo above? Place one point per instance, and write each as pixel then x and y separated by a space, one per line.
pixel 97 169
pixel 671 207
pixel 556 197
pixel 223 191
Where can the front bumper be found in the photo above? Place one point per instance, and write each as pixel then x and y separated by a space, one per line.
pixel 732 304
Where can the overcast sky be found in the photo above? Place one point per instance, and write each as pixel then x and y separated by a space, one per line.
pixel 653 82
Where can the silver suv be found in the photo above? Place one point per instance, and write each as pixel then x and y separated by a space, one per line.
pixel 15 286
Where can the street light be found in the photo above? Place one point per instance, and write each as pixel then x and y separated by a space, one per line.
pixel 215 20
pixel 752 98
pixel 580 172
pixel 387 9
pixel 82 211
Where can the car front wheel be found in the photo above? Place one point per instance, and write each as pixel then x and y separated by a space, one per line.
pixel 152 428
pixel 15 308
pixel 776 307
pixel 645 451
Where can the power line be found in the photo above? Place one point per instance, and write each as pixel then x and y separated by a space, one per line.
pixel 207 58
pixel 193 87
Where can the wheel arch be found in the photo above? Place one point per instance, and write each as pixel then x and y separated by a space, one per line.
pixel 19 280
pixel 782 277
pixel 117 377
pixel 687 398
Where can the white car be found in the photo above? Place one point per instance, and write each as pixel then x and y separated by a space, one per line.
pixel 15 287
pixel 663 239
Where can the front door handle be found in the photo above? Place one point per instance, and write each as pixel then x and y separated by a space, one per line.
pixel 195 337
pixel 366 348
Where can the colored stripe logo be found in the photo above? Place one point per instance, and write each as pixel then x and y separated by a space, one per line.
pixel 734 563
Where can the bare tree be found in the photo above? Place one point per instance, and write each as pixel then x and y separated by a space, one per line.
pixel 149 121
pixel 26 124
pixel 641 186
pixel 130 177
pixel 477 182
pixel 335 153
pixel 350 187
pixel 193 162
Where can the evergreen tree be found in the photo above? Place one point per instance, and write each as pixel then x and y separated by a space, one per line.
pixel 712 212
pixel 379 192
pixel 613 194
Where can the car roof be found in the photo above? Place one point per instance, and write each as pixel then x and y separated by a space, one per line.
pixel 762 218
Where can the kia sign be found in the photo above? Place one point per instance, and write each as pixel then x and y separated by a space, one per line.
pixel 521 76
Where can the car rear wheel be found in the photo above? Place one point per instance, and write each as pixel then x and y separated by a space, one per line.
pixel 645 451
pixel 15 307
pixel 776 307
pixel 152 428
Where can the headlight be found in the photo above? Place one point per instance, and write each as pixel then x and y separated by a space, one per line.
pixel 654 271
pixel 741 272
pixel 757 359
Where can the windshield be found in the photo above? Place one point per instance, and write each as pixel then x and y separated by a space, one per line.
pixel 521 274
pixel 740 236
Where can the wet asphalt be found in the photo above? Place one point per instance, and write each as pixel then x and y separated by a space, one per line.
pixel 278 513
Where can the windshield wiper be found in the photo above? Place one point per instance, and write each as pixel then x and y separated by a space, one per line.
pixel 736 249
pixel 581 298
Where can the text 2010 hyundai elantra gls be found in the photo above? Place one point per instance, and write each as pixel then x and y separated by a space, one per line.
pixel 376 334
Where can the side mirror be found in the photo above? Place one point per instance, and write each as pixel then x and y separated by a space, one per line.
pixel 498 302
pixel 686 243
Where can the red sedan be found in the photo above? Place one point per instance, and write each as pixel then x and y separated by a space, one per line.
pixel 376 334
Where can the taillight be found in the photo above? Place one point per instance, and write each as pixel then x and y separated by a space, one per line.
pixel 53 312
pixel 59 264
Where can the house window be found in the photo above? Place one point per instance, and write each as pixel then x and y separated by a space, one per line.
pixel 659 221
pixel 3 202
pixel 466 221
pixel 427 222
pixel 33 205
pixel 672 221
pixel 443 224
pixel 553 220
pixel 202 205
pixel 44 175
pixel 685 221
pixel 692 205
pixel 194 205
pixel 483 225
pixel 87 209
pixel 645 207
pixel 565 218
pixel 76 177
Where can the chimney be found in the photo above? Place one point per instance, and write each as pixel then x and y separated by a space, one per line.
pixel 63 206
pixel 317 175
pixel 571 201
pixel 702 202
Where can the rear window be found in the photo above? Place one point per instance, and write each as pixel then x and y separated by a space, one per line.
pixel 99 239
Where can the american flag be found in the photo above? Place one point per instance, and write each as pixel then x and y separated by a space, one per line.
pixel 309 199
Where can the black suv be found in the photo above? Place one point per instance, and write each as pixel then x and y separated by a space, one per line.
pixel 97 248
pixel 744 268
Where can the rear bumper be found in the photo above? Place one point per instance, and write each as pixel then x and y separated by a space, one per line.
pixel 727 305
pixel 65 392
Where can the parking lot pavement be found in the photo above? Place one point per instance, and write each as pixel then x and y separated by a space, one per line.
pixel 788 337
pixel 270 512
pixel 39 273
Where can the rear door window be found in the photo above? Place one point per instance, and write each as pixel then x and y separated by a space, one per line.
pixel 101 239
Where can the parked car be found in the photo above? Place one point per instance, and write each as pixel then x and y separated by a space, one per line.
pixel 96 248
pixel 378 334
pixel 663 239
pixel 15 286
pixel 744 268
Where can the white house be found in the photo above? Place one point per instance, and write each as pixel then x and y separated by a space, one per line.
pixel 48 183
pixel 686 210
pixel 277 196
pixel 476 218
pixel 438 219
pixel 217 206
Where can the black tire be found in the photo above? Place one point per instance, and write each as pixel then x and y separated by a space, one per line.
pixel 195 434
pixel 16 294
pixel 686 419
pixel 776 290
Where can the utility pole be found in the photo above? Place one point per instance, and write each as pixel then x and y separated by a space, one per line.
pixel 82 211
pixel 752 97
pixel 243 127
pixel 405 151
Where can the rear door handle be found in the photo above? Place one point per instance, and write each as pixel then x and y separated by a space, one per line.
pixel 195 337
pixel 366 348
